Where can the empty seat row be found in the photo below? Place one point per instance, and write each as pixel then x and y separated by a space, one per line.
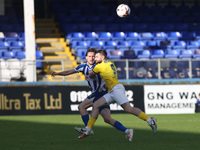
pixel 6 55
pixel 132 36
pixel 130 27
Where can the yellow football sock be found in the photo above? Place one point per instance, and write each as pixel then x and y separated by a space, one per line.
pixel 143 116
pixel 91 122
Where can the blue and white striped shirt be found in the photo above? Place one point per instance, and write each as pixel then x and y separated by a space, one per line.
pixel 96 84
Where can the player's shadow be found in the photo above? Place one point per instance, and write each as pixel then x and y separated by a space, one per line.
pixel 20 135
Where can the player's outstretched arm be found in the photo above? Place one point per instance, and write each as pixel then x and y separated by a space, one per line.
pixel 63 73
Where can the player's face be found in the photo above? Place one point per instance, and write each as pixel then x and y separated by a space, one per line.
pixel 98 58
pixel 90 58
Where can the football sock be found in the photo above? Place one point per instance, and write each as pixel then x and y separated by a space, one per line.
pixel 91 122
pixel 143 116
pixel 85 119
pixel 119 126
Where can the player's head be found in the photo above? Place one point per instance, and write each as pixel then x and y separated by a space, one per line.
pixel 90 55
pixel 100 56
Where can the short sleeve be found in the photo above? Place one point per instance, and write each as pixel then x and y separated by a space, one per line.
pixel 97 69
pixel 80 68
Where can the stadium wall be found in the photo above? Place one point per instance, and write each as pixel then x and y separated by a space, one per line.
pixel 64 99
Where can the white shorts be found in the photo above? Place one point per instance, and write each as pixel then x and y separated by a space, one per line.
pixel 117 94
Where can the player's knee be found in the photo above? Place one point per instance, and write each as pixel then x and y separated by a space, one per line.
pixel 80 107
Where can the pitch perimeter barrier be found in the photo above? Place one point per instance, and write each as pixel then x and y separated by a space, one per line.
pixel 32 100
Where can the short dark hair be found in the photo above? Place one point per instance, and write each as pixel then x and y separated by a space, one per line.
pixel 102 52
pixel 91 50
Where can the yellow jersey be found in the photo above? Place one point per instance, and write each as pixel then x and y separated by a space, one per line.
pixel 108 73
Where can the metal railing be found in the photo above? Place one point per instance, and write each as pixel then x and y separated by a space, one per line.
pixel 127 69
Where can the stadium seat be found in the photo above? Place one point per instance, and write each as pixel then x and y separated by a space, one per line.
pixel 188 36
pixel 70 27
pixel 123 44
pixel 96 44
pixel 147 36
pixel 138 45
pixel 4 45
pixel 104 36
pixel 132 36
pixel 39 56
pixel 171 54
pixel 110 45
pixel 174 36
pixel 14 66
pixel 186 54
pixel 129 54
pixel 196 54
pixel 151 45
pixel 154 27
pixel 118 36
pixel 167 27
pixel 20 55
pixel 192 45
pixel 81 53
pixel 115 54
pixel 179 45
pixel 7 55
pixel 17 45
pixel 158 53
pixel 76 36
pixel 143 54
pixel 90 36
pixel 11 36
pixel 160 36
pixel 106 19
pixel 82 44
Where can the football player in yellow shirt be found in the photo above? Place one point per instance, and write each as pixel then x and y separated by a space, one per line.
pixel 116 93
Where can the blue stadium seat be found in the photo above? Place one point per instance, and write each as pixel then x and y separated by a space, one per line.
pixel 143 54
pixel 186 54
pixel 82 45
pixel 20 55
pixel 90 36
pixel 4 45
pixel 110 45
pixel 123 44
pixel 161 19
pixel 174 35
pixel 147 18
pixel 118 36
pixel 97 44
pixel 160 36
pixel 76 36
pixel 138 45
pixel 107 19
pixel 192 45
pixel 81 53
pixel 171 54
pixel 7 55
pixel 179 45
pixel 17 45
pixel 39 56
pixel 132 36
pixel 147 36
pixel 104 36
pixel 158 53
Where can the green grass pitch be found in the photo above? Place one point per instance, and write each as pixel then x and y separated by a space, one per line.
pixel 56 132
